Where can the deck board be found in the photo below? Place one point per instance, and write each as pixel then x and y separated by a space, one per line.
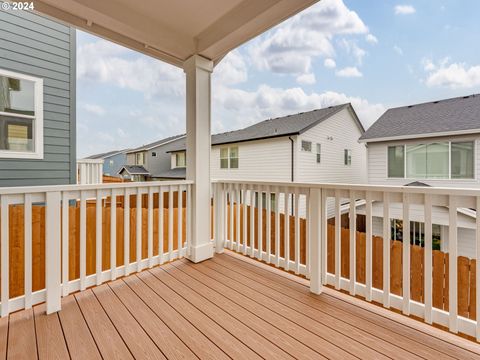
pixel 226 307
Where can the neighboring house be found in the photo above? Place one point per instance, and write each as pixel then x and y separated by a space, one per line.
pixel 430 144
pixel 134 173
pixel 315 146
pixel 155 158
pixel 112 161
pixel 37 100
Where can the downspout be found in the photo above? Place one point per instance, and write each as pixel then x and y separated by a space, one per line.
pixel 292 168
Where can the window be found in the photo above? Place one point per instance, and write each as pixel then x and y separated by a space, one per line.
pixel 21 116
pixel 462 160
pixel 229 157
pixel 234 158
pixel 396 161
pixel 347 157
pixel 306 146
pixel 111 162
pixel 180 160
pixel 432 161
pixel 139 158
pixel 154 154
pixel 319 152
pixel 224 158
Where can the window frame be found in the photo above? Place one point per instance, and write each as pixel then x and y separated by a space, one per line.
pixel 37 137
pixel 176 160
pixel 229 157
pixel 347 157
pixel 318 154
pixel 426 143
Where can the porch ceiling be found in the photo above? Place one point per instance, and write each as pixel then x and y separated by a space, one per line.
pixel 173 31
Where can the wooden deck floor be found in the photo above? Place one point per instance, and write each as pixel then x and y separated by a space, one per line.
pixel 222 308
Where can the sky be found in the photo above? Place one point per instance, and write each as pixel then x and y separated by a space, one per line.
pixel 374 54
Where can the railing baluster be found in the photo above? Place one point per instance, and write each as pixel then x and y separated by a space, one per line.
pixel 353 242
pixel 368 246
pixel 269 224
pixel 98 236
pixel 83 240
pixel 277 226
pixel 338 240
pixel 237 216
pixel 65 245
pixel 150 227
pixel 180 221
pixel 5 252
pixel 386 250
pixel 188 212
pixel 428 258
pixel 52 252
pixel 477 268
pixel 138 229
pixel 287 231
pixel 245 228
pixel 406 255
pixel 160 225
pixel 126 232
pixel 252 223
pixel 260 223
pixel 230 209
pixel 297 232
pixel 452 273
pixel 314 239
pixel 323 235
pixel 28 250
pixel 308 243
pixel 170 223
pixel 113 235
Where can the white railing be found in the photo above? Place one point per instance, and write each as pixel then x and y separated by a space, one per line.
pixel 92 205
pixel 233 202
pixel 89 171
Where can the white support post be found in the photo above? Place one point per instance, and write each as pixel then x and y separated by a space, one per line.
pixel 52 252
pixel 315 232
pixel 198 94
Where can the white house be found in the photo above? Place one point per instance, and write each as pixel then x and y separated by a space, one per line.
pixel 430 144
pixel 315 146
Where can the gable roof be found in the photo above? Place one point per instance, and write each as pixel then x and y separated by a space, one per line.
pixel 134 170
pixel 155 144
pixel 282 126
pixel 107 154
pixel 453 116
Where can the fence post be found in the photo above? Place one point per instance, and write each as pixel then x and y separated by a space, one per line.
pixel 219 220
pixel 314 233
pixel 52 251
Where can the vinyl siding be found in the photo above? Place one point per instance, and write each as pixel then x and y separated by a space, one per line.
pixel 377 164
pixel 345 133
pixel 267 160
pixel 37 46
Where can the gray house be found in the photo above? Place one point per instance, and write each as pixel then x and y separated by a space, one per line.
pixel 112 161
pixel 37 100
pixel 155 159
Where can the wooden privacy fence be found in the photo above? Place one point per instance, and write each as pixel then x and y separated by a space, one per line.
pixel 17 251
pixel 440 260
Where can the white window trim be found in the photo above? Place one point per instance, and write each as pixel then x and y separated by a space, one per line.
pixel 38 123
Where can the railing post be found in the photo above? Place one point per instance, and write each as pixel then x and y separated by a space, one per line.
pixel 219 220
pixel 52 251
pixel 314 233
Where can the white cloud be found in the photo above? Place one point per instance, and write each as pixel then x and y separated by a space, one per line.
pixel 371 39
pixel 404 10
pixel 105 62
pixel 94 109
pixel 398 50
pixel 454 76
pixel 352 48
pixel 306 79
pixel 349 72
pixel 231 70
pixel 247 107
pixel 291 47
pixel 428 65
pixel 329 63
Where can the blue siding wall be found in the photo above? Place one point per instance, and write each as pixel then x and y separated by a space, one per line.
pixel 112 164
pixel 37 46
